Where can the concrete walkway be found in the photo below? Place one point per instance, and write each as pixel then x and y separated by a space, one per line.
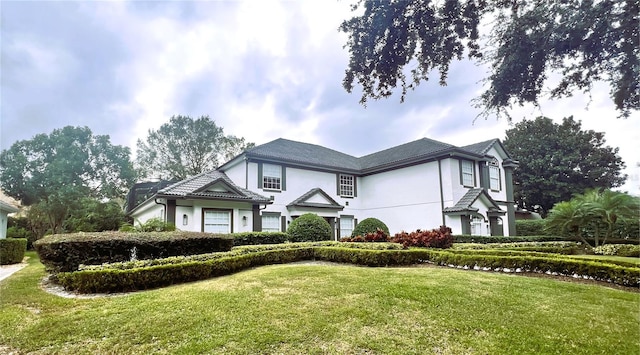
pixel 8 270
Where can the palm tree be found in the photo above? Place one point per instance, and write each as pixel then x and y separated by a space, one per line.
pixel 593 211
pixel 610 207
pixel 568 217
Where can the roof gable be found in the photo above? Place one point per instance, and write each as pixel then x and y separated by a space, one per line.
pixel 467 203
pixel 211 185
pixel 315 198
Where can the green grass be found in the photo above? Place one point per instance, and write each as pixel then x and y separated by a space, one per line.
pixel 335 309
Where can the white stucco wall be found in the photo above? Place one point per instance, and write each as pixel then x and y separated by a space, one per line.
pixel 194 214
pixel 404 199
pixel 298 182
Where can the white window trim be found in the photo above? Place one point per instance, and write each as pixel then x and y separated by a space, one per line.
pixel 494 178
pixel 347 183
pixel 229 225
pixel 469 174
pixel 277 222
pixel 343 231
pixel 276 177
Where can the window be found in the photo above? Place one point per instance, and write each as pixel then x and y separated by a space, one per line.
pixel 272 177
pixel 346 185
pixel 476 226
pixel 270 222
pixel 216 221
pixel 346 226
pixel 494 178
pixel 467 173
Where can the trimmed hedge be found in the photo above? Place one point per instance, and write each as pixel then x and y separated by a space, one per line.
pixel 255 238
pixel 12 250
pixel 501 239
pixel 111 280
pixel 369 225
pixel 118 280
pixel 66 252
pixel 309 228
pixel 531 227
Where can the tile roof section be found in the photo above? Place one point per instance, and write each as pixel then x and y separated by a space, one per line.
pixel 302 200
pixel 195 187
pixel 465 202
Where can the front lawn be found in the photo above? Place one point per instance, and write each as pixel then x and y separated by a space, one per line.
pixel 335 309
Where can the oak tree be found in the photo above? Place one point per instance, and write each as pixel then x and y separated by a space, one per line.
pixel 53 172
pixel 398 43
pixel 185 147
pixel 558 161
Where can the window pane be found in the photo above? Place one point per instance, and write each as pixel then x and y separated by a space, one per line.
pixel 346 226
pixel 467 173
pixel 494 178
pixel 271 223
pixel 346 185
pixel 217 222
pixel 271 176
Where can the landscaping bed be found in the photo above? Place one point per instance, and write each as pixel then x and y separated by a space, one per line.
pixel 139 275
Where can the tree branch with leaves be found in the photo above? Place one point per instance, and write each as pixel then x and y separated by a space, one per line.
pixel 522 42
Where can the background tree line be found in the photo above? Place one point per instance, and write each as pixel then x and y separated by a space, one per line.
pixel 72 180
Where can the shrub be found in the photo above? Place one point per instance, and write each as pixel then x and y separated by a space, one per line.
pixel 254 238
pixel 530 227
pixel 369 225
pixel 12 250
pixel 378 236
pixel 618 249
pixel 435 238
pixel 309 228
pixel 156 225
pixel 65 252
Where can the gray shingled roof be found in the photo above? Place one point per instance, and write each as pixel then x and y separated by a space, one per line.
pixel 302 200
pixel 196 187
pixel 315 155
pixel 284 149
pixel 413 150
pixel 480 148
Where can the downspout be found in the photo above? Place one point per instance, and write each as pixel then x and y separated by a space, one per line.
pixel 246 172
pixel 441 192
pixel 164 210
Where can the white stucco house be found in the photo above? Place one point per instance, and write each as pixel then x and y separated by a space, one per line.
pixel 421 184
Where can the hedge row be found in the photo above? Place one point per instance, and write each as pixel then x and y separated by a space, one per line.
pixel 255 238
pixel 12 250
pixel 115 280
pixel 66 252
pixel 502 239
pixel 111 280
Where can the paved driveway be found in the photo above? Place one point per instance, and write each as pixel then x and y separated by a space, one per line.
pixel 8 270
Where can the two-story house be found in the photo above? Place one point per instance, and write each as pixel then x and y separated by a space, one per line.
pixel 422 184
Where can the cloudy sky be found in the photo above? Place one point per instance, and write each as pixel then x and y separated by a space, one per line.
pixel 261 69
